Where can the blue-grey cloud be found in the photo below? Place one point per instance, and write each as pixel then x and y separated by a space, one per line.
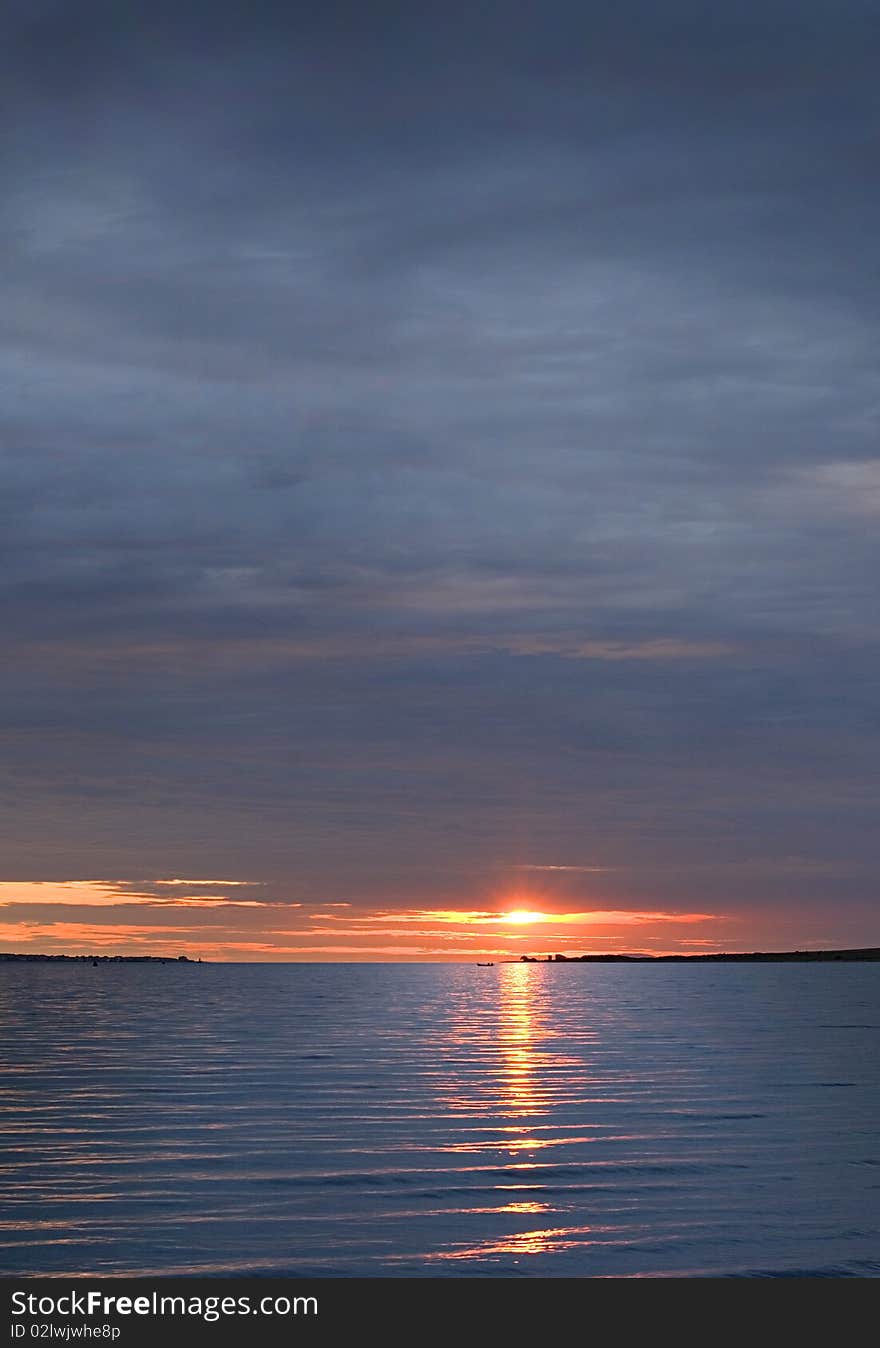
pixel 436 438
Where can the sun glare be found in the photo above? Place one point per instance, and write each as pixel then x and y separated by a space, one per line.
pixel 521 916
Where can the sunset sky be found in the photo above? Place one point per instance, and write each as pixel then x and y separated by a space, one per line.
pixel 439 477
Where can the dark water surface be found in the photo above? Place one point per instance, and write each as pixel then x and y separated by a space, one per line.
pixel 522 1120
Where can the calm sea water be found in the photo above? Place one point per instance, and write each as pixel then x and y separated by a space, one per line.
pixel 440 1120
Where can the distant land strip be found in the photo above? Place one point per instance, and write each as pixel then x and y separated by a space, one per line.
pixel 754 957
pixel 99 959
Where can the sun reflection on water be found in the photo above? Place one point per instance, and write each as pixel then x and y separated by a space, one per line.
pixel 518 1037
pixel 512 1088
pixel 528 1242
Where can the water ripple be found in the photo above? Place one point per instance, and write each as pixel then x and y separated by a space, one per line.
pixel 412 1120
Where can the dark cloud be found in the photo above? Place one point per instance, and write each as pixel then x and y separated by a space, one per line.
pixel 440 437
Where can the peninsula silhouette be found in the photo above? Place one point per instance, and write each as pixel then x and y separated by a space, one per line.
pixel 753 957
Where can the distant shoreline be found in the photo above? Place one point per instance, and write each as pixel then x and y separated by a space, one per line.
pixel 754 957
pixel 6 958
pixel 867 953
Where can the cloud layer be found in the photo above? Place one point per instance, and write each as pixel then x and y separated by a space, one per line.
pixel 441 443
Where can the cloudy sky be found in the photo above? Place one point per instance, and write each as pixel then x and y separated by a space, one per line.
pixel 440 476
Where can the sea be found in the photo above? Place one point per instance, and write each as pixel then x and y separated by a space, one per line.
pixel 378 1120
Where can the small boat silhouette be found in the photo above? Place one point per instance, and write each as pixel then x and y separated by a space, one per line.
pixel 489 965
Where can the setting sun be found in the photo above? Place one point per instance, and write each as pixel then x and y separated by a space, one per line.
pixel 523 915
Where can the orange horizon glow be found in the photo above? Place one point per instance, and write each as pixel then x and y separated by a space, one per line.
pixel 232 920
